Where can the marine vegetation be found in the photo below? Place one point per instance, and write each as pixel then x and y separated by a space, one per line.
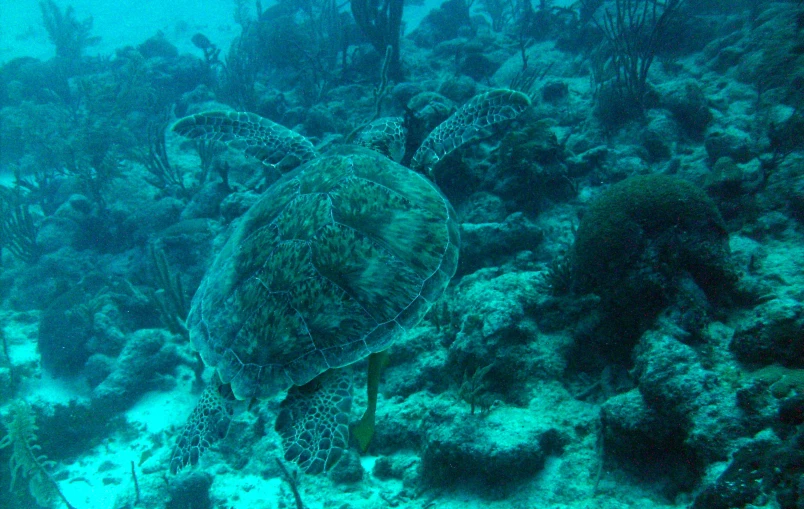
pixel 634 32
pixel 70 35
pixel 27 460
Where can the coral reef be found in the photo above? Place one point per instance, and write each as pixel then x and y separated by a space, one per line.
pixel 624 328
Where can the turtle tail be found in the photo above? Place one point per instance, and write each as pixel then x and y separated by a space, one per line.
pixel 469 123
pixel 363 431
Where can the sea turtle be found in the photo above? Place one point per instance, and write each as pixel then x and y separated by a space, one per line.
pixel 333 263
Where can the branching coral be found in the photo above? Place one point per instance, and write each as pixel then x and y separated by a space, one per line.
pixel 27 459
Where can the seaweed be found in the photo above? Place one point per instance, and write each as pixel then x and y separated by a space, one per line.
pixel 27 459
pixel 169 298
pixel 474 391
pixel 633 32
pixel 163 175
pixel 69 34
pixel 19 232
pixel 380 22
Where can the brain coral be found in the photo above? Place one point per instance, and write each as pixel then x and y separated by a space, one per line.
pixel 650 227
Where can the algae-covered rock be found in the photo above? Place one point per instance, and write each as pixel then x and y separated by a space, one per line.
pixel 507 445
pixel 486 244
pixel 147 358
pixel 674 382
pixel 775 333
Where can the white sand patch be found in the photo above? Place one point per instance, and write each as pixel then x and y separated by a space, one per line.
pixel 158 411
pixel 245 491
pixel 54 391
pixel 20 353
pixel 102 476
pixel 368 462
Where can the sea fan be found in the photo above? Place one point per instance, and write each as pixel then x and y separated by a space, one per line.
pixel 27 459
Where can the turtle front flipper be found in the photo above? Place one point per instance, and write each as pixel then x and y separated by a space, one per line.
pixel 470 122
pixel 313 421
pixel 273 144
pixel 208 423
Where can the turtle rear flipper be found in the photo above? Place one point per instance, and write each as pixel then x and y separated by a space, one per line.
pixel 313 421
pixel 208 423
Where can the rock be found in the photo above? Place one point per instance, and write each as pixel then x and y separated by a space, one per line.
pixel 658 137
pixel 402 467
pixel 482 207
pixel 56 233
pixel 688 104
pixel 236 204
pixel 791 410
pixel 459 89
pixel 555 90
pixel 764 465
pixel 739 484
pixel 149 355
pixel 728 143
pixel 775 333
pixel 484 244
pixel 190 490
pixel 206 202
pixel 676 386
pixel 507 445
pixel 67 225
pixel 348 469
pixel 633 429
pixel 158 46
